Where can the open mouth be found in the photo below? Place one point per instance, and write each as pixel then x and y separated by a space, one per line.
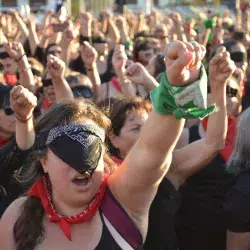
pixel 82 180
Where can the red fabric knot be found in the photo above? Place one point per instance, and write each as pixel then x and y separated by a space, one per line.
pixel 42 190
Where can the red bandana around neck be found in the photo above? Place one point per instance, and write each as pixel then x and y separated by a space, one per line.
pixel 42 190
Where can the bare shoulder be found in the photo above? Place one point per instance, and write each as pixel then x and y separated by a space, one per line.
pixel 7 223
pixel 13 211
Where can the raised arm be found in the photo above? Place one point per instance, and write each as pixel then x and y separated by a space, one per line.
pixel 33 37
pixel 23 102
pixel 67 38
pixel 135 182
pixel 21 24
pixel 16 52
pixel 89 56
pixel 191 158
pixel 142 77
pixel 56 69
pixel 119 61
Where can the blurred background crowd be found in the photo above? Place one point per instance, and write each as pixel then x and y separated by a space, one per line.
pixel 84 47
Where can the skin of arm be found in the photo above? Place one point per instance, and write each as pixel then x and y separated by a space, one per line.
pixel 33 37
pixel 26 76
pixel 136 181
pixel 89 56
pixel 22 26
pixel 23 103
pixel 238 241
pixel 16 52
pixel 56 69
pixel 190 159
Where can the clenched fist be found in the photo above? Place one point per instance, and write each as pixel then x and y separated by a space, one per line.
pixel 15 50
pixel 221 67
pixel 22 102
pixel 56 67
pixel 183 62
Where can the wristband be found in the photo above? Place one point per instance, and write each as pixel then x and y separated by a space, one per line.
pixel 186 102
pixel 24 120
pixel 20 57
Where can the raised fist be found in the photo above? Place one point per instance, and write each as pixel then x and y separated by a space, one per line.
pixel 221 67
pixel 86 19
pixel 183 62
pixel 137 73
pixel 15 50
pixel 22 102
pixel 89 54
pixel 56 67
pixel 119 59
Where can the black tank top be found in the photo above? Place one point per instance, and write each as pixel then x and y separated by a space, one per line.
pixel 161 230
pixel 107 241
pixel 202 195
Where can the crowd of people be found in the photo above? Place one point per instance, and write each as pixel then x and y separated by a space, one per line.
pixel 125 131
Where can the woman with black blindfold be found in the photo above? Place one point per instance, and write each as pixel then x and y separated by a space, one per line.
pixel 73 203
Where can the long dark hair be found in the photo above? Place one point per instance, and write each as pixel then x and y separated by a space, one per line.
pixel 28 229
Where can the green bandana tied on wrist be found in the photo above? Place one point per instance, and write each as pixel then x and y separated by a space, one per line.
pixel 186 102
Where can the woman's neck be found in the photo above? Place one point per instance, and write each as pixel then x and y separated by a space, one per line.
pixel 65 209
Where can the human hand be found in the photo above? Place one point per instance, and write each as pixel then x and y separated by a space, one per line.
pixel 22 102
pixel 119 59
pixel 176 17
pixel 121 23
pixel 56 67
pixel 88 54
pixel 137 74
pixel 15 50
pixel 221 68
pixel 69 35
pixel 183 62
pixel 86 19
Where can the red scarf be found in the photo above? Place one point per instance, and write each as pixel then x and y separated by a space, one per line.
pixel 230 139
pixel 10 79
pixel 116 84
pixel 42 190
pixel 4 141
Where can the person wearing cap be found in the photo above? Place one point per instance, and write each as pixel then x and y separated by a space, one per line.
pixel 19 110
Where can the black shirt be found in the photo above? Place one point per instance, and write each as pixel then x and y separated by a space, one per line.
pixel 11 159
pixel 237 205
pixel 161 231
pixel 203 195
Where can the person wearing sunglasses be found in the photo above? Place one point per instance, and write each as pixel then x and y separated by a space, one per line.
pixel 238 53
pixel 81 85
